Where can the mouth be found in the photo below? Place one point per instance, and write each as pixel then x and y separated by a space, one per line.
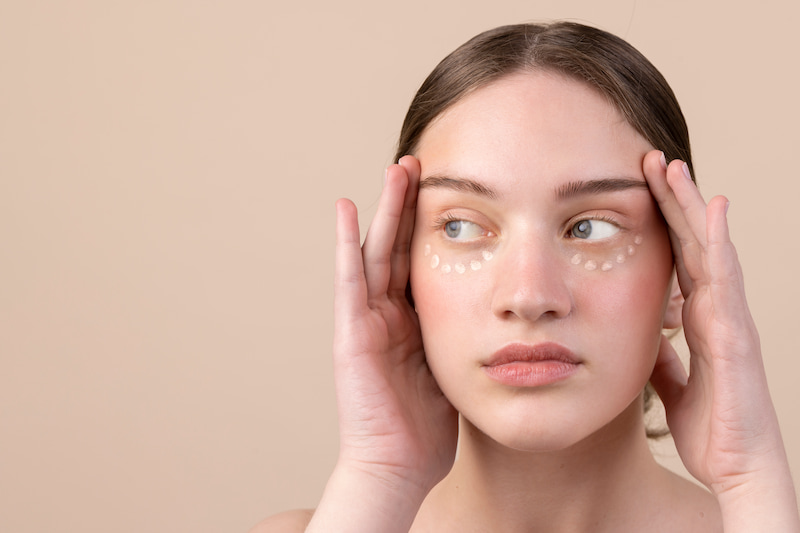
pixel 524 365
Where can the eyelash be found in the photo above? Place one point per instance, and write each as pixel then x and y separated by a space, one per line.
pixel 602 218
pixel 440 221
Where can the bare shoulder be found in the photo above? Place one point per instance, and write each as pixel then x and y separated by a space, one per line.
pixel 294 521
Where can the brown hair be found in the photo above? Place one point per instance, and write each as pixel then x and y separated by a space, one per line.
pixel 603 61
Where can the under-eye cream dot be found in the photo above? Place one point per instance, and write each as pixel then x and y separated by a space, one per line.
pixel 576 259
pixel 427 251
pixel 590 265
pixel 620 258
pixel 638 239
pixel 460 268
pixel 487 255
pixel 475 265
pixel 434 261
pixel 631 249
pixel 446 268
pixel 606 266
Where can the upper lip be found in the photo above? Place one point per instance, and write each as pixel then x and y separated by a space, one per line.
pixel 520 352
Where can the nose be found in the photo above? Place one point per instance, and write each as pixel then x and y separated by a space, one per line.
pixel 530 283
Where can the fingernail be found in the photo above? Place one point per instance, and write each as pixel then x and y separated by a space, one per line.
pixel 727 206
pixel 663 161
pixel 686 172
pixel 385 175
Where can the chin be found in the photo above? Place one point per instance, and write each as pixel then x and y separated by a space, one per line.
pixel 534 439
pixel 556 433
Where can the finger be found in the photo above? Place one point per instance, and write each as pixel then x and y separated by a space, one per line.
pixel 684 211
pixel 726 280
pixel 691 202
pixel 400 254
pixel 669 375
pixel 382 233
pixel 350 290
pixel 655 172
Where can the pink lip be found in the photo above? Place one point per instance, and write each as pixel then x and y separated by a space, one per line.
pixel 523 365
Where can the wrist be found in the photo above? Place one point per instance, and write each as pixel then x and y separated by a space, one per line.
pixel 759 501
pixel 357 500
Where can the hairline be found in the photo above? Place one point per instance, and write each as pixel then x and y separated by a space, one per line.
pixel 530 68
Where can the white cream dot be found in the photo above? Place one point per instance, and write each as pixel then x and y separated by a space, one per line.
pixel 460 268
pixel 638 239
pixel 427 251
pixel 487 255
pixel 631 249
pixel 576 259
pixel 434 261
pixel 621 258
pixel 606 266
pixel 475 265
pixel 590 265
pixel 446 268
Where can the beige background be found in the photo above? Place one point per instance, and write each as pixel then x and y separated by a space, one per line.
pixel 167 177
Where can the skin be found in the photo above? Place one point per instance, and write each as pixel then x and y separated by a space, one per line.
pixel 570 455
pixel 530 293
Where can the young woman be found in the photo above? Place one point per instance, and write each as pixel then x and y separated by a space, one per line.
pixel 538 233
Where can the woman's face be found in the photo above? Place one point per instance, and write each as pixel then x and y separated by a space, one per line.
pixel 540 263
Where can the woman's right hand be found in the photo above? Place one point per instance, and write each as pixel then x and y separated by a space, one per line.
pixel 397 430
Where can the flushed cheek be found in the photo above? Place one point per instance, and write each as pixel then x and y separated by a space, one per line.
pixel 450 289
pixel 451 295
pixel 631 295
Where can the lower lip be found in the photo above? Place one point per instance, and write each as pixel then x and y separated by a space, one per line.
pixel 531 373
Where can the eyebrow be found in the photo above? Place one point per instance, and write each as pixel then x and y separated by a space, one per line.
pixel 458 184
pixel 568 190
pixel 585 188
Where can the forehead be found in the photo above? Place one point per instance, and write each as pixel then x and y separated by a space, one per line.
pixel 528 123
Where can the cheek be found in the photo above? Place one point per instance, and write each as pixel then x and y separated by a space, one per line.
pixel 450 289
pixel 628 287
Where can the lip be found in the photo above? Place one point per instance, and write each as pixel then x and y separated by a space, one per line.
pixel 525 365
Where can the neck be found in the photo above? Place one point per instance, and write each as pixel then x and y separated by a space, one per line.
pixel 580 488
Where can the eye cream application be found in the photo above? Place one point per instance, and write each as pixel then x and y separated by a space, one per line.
pixel 460 267
pixel 604 264
pixel 600 261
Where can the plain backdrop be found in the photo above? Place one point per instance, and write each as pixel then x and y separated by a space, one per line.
pixel 168 171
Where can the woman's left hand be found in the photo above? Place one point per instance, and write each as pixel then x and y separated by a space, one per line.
pixel 720 414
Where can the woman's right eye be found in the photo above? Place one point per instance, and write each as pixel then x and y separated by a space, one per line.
pixel 462 230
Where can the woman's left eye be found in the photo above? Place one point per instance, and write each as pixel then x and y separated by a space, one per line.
pixel 462 230
pixel 590 229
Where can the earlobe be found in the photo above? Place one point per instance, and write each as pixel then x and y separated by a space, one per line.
pixel 674 312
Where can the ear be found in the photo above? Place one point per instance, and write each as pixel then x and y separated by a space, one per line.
pixel 674 313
